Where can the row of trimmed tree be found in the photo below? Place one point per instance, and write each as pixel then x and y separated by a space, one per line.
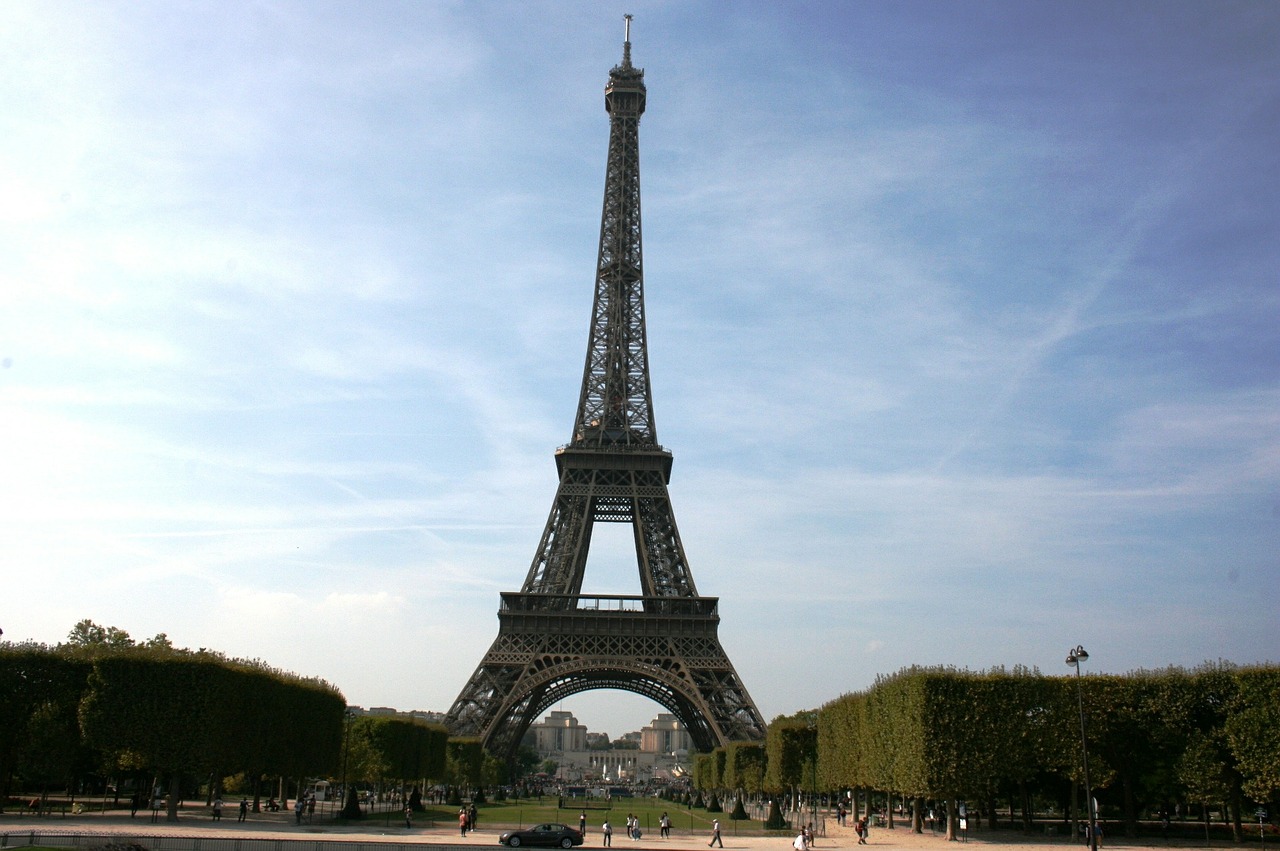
pixel 1155 739
pixel 105 707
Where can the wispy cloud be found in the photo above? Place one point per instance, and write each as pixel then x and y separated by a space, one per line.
pixel 963 344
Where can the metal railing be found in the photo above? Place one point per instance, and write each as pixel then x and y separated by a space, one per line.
pixel 681 606
pixel 120 841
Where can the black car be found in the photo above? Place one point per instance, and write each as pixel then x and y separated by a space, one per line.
pixel 550 835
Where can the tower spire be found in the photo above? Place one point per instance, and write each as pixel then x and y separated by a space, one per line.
pixel 626 41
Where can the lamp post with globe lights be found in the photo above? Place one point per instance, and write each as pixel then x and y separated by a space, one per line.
pixel 1076 657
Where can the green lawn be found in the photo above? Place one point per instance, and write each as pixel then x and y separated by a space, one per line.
pixel 524 813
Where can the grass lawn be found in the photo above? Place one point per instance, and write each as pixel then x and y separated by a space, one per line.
pixel 526 812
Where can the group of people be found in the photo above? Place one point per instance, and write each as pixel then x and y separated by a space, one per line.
pixel 804 839
pixel 301 805
pixel 217 809
pixel 633 828
pixel 467 819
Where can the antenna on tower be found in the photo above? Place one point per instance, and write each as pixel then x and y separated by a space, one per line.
pixel 626 41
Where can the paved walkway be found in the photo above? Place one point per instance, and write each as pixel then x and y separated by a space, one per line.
pixel 208 835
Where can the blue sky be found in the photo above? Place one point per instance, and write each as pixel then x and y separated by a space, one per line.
pixel 963 318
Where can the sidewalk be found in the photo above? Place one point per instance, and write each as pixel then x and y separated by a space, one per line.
pixel 196 831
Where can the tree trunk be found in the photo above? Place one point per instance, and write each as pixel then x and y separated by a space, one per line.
pixel 888 809
pixel 953 815
pixel 1071 811
pixel 917 814
pixel 174 791
pixel 1237 802
pixel 1130 809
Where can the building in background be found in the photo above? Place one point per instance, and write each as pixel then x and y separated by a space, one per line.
pixel 559 732
pixel 656 753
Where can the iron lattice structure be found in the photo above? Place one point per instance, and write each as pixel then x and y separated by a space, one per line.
pixel 552 641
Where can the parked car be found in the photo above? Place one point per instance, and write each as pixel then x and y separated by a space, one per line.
pixel 546 835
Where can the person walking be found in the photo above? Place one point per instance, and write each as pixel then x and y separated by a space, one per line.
pixel 582 824
pixel 861 828
pixel 800 843
pixel 408 817
pixel 462 821
pixel 664 826
pixel 217 808
pixel 606 830
pixel 715 834
pixel 244 809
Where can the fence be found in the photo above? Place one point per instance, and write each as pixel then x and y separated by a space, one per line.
pixel 166 842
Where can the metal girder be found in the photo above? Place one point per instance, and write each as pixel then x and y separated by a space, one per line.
pixel 544 653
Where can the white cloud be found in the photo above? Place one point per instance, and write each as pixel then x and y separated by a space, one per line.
pixel 293 316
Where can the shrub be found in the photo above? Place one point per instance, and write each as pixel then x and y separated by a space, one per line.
pixel 775 821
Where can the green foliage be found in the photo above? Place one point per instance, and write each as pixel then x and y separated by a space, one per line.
pixel 465 762
pixel 526 762
pixel 396 749
pixel 1153 736
pixel 40 690
pixel 704 772
pixel 744 766
pixel 791 747
pixel 1202 773
pixel 1253 732
pixel 155 709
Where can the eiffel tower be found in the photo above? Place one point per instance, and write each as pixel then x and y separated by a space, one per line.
pixel 553 641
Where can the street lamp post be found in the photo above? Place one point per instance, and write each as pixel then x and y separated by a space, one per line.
pixel 1075 658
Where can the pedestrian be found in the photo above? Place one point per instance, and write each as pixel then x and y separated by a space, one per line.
pixel 664 826
pixel 799 843
pixel 582 824
pixel 217 808
pixel 244 809
pixel 861 829
pixel 297 811
pixel 471 818
pixel 408 817
pixel 606 830
pixel 462 821
pixel 715 834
